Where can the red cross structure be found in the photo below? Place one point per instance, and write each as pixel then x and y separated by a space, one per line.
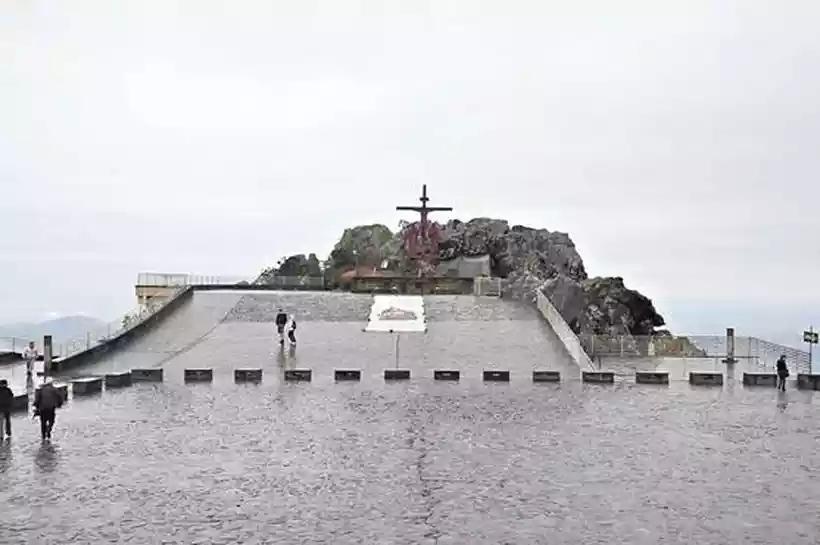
pixel 421 239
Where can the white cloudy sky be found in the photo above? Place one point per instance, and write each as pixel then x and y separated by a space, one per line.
pixel 678 142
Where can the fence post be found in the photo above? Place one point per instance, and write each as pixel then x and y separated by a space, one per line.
pixel 730 346
pixel 47 356
pixel 622 345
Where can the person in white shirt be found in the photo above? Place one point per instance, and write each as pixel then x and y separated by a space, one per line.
pixel 30 354
pixel 292 330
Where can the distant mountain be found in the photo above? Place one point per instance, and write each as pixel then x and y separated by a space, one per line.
pixel 61 329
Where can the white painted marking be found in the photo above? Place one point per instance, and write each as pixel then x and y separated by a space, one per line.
pixel 397 314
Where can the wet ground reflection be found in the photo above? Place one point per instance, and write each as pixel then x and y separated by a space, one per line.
pixel 421 463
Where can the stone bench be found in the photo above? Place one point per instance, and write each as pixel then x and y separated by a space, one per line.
pixel 806 381
pixel 86 386
pixel 706 379
pixel 760 379
pixel 651 377
pixel 198 375
pixel 496 376
pixel 118 380
pixel 147 375
pixel 397 374
pixel 446 375
pixel 247 375
pixel 298 375
pixel 347 374
pixel 19 403
pixel 598 377
pixel 546 376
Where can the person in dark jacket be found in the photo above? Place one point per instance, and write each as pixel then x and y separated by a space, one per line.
pixel 6 403
pixel 281 322
pixel 292 330
pixel 47 399
pixel 782 373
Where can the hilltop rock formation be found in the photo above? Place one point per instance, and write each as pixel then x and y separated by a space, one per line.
pixel 537 259
pixel 530 260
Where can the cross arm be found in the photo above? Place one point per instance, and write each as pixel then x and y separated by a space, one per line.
pixel 425 209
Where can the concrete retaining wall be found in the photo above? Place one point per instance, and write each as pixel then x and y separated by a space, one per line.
pixel 10 357
pixel 92 354
pixel 564 332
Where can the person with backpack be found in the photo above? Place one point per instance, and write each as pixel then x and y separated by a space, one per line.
pixel 782 373
pixel 6 405
pixel 47 399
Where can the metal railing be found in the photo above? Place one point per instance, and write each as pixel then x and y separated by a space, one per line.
pixel 13 344
pixel 90 339
pixel 182 280
pixel 762 353
pixel 110 330
pixel 162 280
pixel 295 281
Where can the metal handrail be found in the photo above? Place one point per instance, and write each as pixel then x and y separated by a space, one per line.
pixel 110 330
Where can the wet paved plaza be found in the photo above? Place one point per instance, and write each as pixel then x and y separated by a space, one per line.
pixel 410 462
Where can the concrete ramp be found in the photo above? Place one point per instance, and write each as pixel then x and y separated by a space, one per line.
pixel 489 333
pixel 234 329
pixel 188 325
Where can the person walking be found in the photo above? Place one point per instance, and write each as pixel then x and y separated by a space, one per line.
pixel 782 373
pixel 292 331
pixel 6 405
pixel 47 399
pixel 281 322
pixel 30 354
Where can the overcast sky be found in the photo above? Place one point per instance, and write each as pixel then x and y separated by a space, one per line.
pixel 677 142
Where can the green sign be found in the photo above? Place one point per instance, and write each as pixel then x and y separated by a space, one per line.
pixel 810 337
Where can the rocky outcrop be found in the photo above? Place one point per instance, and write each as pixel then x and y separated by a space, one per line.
pixel 537 259
pixel 530 260
pixel 361 246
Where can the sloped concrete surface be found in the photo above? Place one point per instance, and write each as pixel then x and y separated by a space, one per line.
pixel 416 462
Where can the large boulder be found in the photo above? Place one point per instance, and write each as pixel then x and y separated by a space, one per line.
pixel 364 245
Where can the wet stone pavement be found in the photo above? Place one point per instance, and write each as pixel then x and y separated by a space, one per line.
pixel 413 462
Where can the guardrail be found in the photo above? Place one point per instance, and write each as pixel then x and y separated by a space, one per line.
pixel 567 336
pixel 762 353
pixel 183 280
pixel 112 329
pixel 296 281
pixel 89 339
pixel 12 344
pixel 165 280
